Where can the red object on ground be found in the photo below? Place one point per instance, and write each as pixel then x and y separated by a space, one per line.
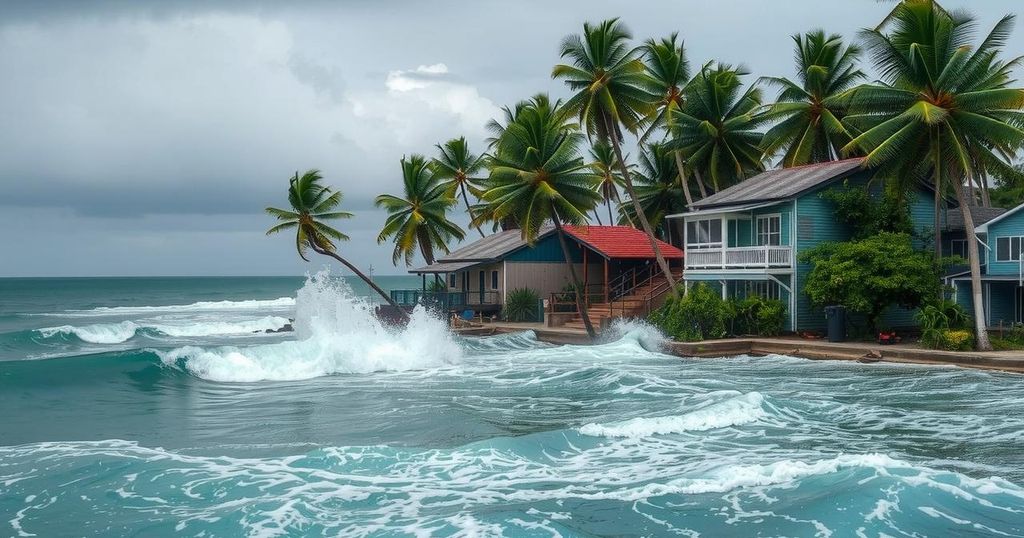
pixel 621 242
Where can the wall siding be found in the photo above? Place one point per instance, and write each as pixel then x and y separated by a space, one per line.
pixel 1009 227
pixel 547 250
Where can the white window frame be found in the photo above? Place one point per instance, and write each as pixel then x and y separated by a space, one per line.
pixel 768 234
pixel 694 243
pixel 1011 254
pixel 769 289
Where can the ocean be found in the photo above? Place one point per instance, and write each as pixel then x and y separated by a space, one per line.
pixel 163 406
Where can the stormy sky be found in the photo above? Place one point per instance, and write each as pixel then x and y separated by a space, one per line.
pixel 145 137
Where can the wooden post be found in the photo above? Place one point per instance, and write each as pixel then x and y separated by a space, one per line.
pixel 585 283
pixel 606 291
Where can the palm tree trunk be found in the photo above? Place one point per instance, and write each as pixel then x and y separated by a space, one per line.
pixel 980 325
pixel 938 197
pixel 608 204
pixel 700 184
pixel 682 178
pixel 598 217
pixel 640 211
pixel 358 273
pixel 470 210
pixel 986 198
pixel 581 303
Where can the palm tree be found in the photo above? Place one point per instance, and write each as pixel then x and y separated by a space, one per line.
pixel 609 81
pixel 668 72
pixel 537 176
pixel 456 167
pixel 809 111
pixel 606 165
pixel 418 221
pixel 311 205
pixel 716 130
pixel 657 187
pixel 943 110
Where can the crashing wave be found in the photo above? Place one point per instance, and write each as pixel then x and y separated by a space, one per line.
pixel 116 333
pixel 732 412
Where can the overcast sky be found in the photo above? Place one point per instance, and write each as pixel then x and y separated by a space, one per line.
pixel 143 139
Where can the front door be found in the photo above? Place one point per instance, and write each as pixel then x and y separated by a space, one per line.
pixel 483 277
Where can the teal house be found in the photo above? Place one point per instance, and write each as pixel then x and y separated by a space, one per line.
pixel 1000 243
pixel 747 239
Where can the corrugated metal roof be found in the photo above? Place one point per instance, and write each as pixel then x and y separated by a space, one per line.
pixel 779 184
pixel 621 242
pixel 492 247
pixel 443 267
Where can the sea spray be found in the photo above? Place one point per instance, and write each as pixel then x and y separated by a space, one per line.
pixel 336 333
pixel 646 335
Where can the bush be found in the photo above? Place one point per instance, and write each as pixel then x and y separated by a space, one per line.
pixel 955 340
pixel 521 305
pixel 758 316
pixel 938 320
pixel 699 315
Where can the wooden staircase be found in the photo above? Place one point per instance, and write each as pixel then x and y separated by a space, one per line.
pixel 634 301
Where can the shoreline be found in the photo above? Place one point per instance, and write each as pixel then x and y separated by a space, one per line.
pixel 1011 362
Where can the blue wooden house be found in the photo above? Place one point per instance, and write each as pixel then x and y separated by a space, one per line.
pixel 1000 243
pixel 746 239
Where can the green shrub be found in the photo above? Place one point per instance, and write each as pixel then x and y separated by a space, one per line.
pixel 758 316
pixel 699 315
pixel 521 305
pixel 955 340
pixel 940 318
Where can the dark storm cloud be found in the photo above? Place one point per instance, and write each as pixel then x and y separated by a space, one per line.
pixel 166 127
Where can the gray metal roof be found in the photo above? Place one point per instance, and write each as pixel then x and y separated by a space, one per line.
pixel 981 215
pixel 443 267
pixel 779 184
pixel 489 248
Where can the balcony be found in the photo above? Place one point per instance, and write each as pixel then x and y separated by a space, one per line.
pixel 761 257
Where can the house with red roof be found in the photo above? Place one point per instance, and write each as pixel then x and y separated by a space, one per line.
pixel 616 265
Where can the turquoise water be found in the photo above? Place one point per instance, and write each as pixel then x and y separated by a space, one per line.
pixel 152 409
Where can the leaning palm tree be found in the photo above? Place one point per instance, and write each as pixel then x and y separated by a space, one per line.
pixel 538 176
pixel 668 72
pixel 657 188
pixel 716 130
pixel 606 166
pixel 311 205
pixel 418 221
pixel 943 110
pixel 457 168
pixel 810 110
pixel 608 78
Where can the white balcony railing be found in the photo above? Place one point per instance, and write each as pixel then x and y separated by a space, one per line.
pixel 740 257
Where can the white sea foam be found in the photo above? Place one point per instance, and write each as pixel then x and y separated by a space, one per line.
pixel 281 303
pixel 736 411
pixel 645 334
pixel 336 333
pixel 116 333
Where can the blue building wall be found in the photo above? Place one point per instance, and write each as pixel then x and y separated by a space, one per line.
pixel 1010 226
pixel 547 249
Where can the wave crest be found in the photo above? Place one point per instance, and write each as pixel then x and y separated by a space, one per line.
pixel 732 412
pixel 117 333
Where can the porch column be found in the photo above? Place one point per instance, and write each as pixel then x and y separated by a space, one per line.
pixel 424 275
pixel 606 280
pixel 725 290
pixel 586 298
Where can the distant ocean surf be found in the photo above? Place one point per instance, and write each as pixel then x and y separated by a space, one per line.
pixel 165 407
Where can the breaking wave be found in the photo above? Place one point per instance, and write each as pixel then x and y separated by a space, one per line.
pixel 337 333
pixel 281 303
pixel 736 411
pixel 116 333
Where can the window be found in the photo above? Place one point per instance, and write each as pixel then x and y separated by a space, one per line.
pixel 958 247
pixel 769 230
pixel 494 280
pixel 452 280
pixel 704 234
pixel 769 289
pixel 1008 248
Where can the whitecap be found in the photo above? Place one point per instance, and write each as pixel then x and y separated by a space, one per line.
pixel 735 411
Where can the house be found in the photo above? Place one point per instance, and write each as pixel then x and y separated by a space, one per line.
pixel 747 239
pixel 1000 243
pixel 612 262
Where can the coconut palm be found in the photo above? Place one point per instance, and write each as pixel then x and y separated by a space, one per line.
pixel 943 110
pixel 608 79
pixel 457 167
pixel 716 130
pixel 668 72
pixel 606 166
pixel 312 204
pixel 657 186
pixel 537 177
pixel 418 221
pixel 810 110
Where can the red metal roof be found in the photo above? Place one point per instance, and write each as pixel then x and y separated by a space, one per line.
pixel 621 242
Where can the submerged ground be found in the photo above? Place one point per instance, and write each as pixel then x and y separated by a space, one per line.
pixel 186 422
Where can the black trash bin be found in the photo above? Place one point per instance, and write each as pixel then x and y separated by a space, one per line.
pixel 836 316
